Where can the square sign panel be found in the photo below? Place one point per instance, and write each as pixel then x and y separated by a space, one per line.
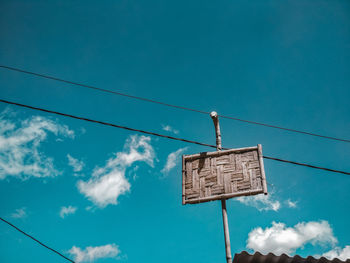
pixel 223 174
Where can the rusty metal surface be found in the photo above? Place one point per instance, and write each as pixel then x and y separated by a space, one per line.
pixel 245 257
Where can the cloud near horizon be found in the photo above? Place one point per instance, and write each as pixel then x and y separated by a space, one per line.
pixel 107 183
pixel 20 142
pixel 337 252
pixel 280 239
pixel 90 254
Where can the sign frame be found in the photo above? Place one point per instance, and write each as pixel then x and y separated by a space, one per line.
pixel 257 148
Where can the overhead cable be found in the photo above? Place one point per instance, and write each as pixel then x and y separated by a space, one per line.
pixel 172 105
pixel 161 135
pixel 42 244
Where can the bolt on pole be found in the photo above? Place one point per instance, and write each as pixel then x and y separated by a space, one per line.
pixel 215 118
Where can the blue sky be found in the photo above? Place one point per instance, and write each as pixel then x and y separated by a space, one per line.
pixel 280 62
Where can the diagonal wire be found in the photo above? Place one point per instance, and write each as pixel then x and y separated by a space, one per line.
pixel 162 135
pixel 172 105
pixel 42 244
pixel 106 123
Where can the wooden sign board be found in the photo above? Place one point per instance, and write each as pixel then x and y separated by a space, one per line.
pixel 222 174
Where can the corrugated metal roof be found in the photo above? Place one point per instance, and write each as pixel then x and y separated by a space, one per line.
pixel 245 257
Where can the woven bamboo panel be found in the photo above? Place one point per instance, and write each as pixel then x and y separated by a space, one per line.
pixel 223 174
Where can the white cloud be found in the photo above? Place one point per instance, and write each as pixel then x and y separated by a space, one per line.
pixel 169 129
pixel 20 154
pixel 337 252
pixel 67 210
pixel 19 213
pixel 75 163
pixel 260 202
pixel 291 204
pixel 172 159
pixel 280 239
pixel 90 254
pixel 109 182
pixel 132 173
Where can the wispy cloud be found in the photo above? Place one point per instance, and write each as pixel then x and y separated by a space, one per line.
pixel 291 204
pixel 75 163
pixel 280 239
pixel 20 154
pixel 168 128
pixel 19 213
pixel 107 183
pixel 90 254
pixel 67 210
pixel 172 159
pixel 337 252
pixel 260 202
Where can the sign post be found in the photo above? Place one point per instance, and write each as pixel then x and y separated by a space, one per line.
pixel 221 175
pixel 215 118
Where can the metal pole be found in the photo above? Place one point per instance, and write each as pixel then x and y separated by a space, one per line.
pixel 215 118
pixel 226 231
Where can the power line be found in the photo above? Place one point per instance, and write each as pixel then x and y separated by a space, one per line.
pixel 162 135
pixel 42 244
pixel 305 164
pixel 106 123
pixel 103 90
pixel 172 105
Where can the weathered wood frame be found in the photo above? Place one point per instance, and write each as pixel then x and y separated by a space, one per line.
pixel 258 148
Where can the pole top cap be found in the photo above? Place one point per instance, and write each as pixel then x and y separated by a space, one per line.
pixel 213 114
